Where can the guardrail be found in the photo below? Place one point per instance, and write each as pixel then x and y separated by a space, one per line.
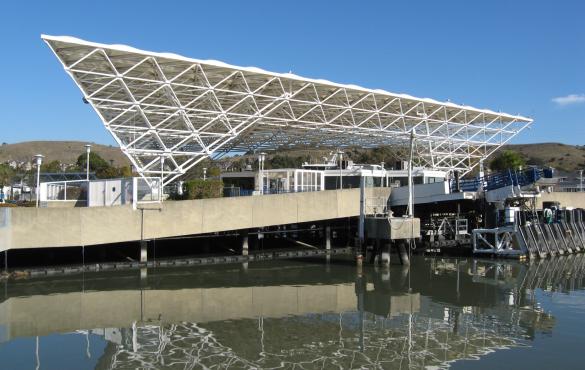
pixel 499 180
pixel 239 192
pixel 63 191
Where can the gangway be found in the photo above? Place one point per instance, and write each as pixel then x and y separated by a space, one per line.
pixel 499 180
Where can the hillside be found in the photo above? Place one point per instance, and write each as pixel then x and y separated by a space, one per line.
pixel 561 156
pixel 63 151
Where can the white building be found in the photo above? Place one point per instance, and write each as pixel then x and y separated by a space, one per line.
pixel 326 176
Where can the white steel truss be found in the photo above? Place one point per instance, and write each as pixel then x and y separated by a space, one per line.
pixel 168 112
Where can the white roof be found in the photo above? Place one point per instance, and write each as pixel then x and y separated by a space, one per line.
pixel 163 105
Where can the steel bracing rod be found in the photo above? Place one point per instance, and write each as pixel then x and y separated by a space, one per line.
pixel 427 118
pixel 440 125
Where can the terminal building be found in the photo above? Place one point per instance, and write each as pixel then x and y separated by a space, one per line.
pixel 333 174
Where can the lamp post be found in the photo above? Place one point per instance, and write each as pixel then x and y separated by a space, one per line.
pixel 340 154
pixel 87 150
pixel 204 173
pixel 261 159
pixel 39 161
pixel 580 180
pixel 383 180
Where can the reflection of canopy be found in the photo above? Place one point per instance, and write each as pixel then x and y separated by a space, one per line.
pixel 175 111
pixel 329 341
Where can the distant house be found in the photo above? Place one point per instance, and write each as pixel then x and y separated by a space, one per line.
pixel 570 182
pixel 12 164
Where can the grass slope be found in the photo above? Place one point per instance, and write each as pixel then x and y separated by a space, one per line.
pixel 561 156
pixel 63 151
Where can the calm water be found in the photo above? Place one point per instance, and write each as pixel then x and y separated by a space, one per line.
pixel 301 315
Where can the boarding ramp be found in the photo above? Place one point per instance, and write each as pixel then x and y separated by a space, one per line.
pixel 498 180
pixel 531 240
pixel 502 241
pixel 532 236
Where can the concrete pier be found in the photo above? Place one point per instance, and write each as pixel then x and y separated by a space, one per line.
pixel 143 251
pixel 403 252
pixel 327 237
pixel 385 254
pixel 245 246
pixel 66 227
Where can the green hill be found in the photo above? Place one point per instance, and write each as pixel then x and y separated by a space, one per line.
pixel 561 156
pixel 63 151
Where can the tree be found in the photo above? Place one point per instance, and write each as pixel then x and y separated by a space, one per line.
pixel 507 159
pixel 125 171
pixel 96 163
pixel 53 166
pixel 199 189
pixel 213 172
pixel 286 161
pixel 6 174
pixel 107 173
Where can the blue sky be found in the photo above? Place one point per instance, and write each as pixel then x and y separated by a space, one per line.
pixel 524 57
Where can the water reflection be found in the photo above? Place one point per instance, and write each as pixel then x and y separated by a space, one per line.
pixel 298 315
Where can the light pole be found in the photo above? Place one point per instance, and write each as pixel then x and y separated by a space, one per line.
pixel 204 173
pixel 340 154
pixel 87 150
pixel 581 180
pixel 383 180
pixel 261 159
pixel 39 161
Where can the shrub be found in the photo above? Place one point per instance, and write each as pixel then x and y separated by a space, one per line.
pixel 199 189
pixel 507 160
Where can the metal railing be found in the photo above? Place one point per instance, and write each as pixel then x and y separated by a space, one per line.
pixel 146 190
pixel 499 180
pixel 74 190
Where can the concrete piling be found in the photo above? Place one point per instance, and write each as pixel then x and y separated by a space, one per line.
pixel 403 252
pixel 385 254
pixel 328 244
pixel 245 245
pixel 328 237
pixel 143 251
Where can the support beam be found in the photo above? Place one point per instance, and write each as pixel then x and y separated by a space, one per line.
pixel 245 245
pixel 143 251
pixel 403 253
pixel 385 254
pixel 362 217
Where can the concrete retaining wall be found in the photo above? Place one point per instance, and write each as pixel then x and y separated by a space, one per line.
pixel 62 227
pixel 575 200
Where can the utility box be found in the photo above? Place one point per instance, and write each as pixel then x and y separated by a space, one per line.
pixel 392 228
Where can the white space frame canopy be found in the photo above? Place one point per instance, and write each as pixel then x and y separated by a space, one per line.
pixel 168 112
